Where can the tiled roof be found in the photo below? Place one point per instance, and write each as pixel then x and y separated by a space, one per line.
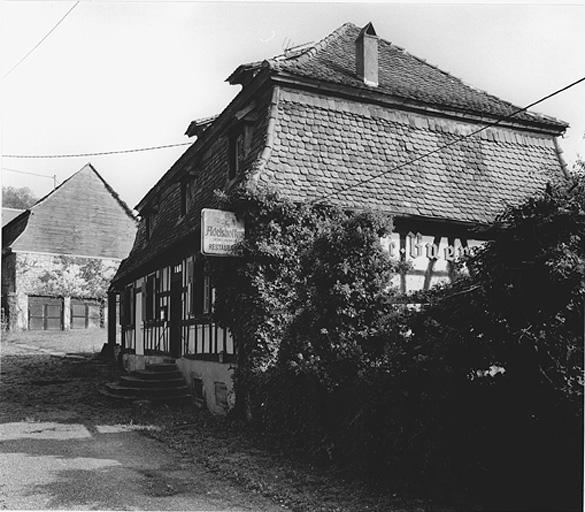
pixel 311 145
pixel 198 126
pixel 401 75
pixel 83 216
pixel 322 145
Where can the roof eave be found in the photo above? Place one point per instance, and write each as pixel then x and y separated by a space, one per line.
pixel 202 142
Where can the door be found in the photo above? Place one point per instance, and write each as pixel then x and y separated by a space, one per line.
pixel 45 313
pixel 176 316
pixel 85 313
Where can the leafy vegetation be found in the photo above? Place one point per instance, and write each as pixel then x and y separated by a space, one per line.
pixel 479 392
pixel 17 197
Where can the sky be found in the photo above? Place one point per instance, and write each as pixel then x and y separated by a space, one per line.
pixel 123 75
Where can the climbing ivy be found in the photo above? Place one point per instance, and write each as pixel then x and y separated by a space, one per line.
pixel 62 275
pixel 261 293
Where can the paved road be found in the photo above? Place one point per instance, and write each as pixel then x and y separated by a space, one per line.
pixel 55 465
pixel 64 459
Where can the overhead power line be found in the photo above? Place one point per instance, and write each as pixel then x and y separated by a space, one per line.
pixel 42 40
pixel 421 157
pixel 27 172
pixel 449 144
pixel 52 176
pixel 101 153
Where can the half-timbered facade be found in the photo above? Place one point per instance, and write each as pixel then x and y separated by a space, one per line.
pixel 336 121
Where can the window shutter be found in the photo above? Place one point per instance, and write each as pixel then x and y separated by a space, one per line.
pixel 206 293
pixel 144 299
pixel 149 297
pixel 126 307
pixel 132 302
pixel 156 300
pixel 122 309
pixel 190 308
pixel 198 288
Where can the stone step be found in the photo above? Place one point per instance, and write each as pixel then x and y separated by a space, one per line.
pixel 144 392
pixel 134 380
pixel 161 367
pixel 158 375
pixel 168 399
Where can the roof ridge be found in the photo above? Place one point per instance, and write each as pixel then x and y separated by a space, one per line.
pixel 46 196
pixel 113 193
pixel 109 188
pixel 313 50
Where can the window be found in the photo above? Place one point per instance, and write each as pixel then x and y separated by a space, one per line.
pixel 185 197
pixel 45 313
pixel 85 314
pixel 239 148
pixel 207 302
pixel 127 303
pixel 203 291
pixel 190 289
pixel 149 299
pixel 236 154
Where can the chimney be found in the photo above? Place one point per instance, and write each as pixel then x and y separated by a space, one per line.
pixel 366 56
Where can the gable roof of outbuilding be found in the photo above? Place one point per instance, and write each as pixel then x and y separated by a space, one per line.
pixel 82 216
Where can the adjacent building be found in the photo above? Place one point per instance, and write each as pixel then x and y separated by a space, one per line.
pixel 59 256
pixel 9 213
pixel 347 121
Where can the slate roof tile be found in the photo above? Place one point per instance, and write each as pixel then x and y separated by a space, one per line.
pixel 401 75
pixel 319 145
pixel 470 181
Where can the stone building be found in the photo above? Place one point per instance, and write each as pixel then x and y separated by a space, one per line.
pixel 335 121
pixel 59 256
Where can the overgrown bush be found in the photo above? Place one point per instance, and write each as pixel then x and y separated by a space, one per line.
pixel 520 314
pixel 256 292
pixel 337 336
pixel 479 392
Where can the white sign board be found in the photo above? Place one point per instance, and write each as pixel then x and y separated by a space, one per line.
pixel 220 232
pixel 419 250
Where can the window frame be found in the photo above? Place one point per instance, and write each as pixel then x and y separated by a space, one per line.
pixel 203 291
pixel 150 298
pixel 240 142
pixel 128 317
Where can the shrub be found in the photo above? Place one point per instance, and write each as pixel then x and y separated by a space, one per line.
pixel 481 391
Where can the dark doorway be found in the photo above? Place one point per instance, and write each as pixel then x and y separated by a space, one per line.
pixel 176 316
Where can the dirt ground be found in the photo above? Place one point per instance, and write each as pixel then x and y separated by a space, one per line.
pixel 163 457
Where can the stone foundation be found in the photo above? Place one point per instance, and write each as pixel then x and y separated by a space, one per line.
pixel 214 379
